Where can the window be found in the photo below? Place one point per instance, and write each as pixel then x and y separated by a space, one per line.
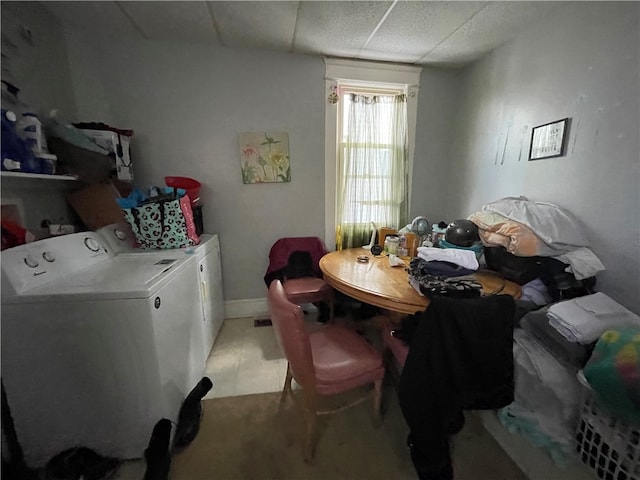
pixel 371 180
pixel 369 149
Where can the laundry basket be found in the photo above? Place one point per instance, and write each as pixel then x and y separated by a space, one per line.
pixel 608 445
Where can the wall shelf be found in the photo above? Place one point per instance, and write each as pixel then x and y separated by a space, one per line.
pixel 6 174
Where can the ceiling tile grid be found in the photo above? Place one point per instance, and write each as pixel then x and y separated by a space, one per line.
pixel 338 28
pixel 450 33
pixel 413 29
pixel 256 24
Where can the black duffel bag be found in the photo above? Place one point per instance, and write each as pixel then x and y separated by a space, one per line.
pixel 551 271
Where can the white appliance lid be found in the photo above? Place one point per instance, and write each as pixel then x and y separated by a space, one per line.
pixel 120 277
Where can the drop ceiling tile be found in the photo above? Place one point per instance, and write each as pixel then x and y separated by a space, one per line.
pixel 172 20
pixel 494 25
pixel 255 24
pixel 423 32
pixel 413 29
pixel 336 28
pixel 99 18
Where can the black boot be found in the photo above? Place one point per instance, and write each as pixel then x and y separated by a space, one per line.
pixel 190 414
pixel 157 454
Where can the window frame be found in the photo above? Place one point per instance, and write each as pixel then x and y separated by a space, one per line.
pixel 364 76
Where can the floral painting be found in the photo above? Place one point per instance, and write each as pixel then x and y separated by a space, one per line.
pixel 264 157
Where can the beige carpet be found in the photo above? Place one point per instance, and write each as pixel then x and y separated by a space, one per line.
pixel 245 438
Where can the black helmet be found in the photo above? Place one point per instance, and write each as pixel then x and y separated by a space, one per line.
pixel 462 233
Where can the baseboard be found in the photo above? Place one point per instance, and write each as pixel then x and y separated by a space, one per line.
pixel 249 307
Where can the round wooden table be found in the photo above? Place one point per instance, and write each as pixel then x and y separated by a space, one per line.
pixel 379 284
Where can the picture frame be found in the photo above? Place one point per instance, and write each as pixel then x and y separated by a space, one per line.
pixel 549 140
pixel 264 157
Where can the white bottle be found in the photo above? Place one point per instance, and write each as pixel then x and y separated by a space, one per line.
pixel 9 163
pixel 30 128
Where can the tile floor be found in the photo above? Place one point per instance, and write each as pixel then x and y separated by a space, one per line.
pixel 245 360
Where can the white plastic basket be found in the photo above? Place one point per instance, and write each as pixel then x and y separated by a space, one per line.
pixel 607 445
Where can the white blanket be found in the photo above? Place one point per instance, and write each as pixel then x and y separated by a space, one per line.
pixel 584 319
pixel 463 258
pixel 553 225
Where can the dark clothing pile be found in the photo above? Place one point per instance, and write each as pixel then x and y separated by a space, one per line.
pixel 460 358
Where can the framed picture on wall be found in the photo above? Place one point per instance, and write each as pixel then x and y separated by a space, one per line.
pixel 264 157
pixel 548 140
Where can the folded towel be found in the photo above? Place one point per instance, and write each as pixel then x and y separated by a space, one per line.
pixel 464 258
pixel 584 319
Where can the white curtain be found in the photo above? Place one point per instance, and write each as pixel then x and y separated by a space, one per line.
pixel 372 170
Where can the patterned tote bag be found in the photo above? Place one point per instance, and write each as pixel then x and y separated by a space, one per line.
pixel 164 223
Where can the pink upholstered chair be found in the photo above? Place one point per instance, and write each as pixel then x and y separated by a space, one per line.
pixel 308 285
pixel 328 361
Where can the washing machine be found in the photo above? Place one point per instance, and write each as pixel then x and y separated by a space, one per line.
pixel 95 348
pixel 120 239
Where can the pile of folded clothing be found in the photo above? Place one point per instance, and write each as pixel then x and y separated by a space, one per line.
pixel 551 345
pixel 449 272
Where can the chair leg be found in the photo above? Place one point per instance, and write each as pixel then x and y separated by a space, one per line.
pixel 311 421
pixel 287 386
pixel 331 307
pixel 377 403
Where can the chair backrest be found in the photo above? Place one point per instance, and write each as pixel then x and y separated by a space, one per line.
pixel 282 249
pixel 288 325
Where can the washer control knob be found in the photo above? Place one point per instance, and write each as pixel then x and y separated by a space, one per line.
pixel 30 261
pixel 48 256
pixel 92 244
pixel 119 234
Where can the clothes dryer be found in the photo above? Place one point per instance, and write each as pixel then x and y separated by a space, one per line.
pixel 120 240
pixel 95 349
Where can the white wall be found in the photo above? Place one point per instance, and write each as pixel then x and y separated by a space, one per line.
pixel 187 103
pixel 582 63
pixel 439 92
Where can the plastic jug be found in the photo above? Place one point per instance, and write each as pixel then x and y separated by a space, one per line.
pixel 29 128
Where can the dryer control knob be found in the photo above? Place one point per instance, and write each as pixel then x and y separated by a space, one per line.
pixel 30 261
pixel 48 256
pixel 92 244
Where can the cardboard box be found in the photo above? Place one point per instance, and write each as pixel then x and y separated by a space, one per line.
pixel 96 205
pixel 383 232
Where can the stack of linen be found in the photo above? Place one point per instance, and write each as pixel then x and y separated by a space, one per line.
pixel 584 319
pixel 551 346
